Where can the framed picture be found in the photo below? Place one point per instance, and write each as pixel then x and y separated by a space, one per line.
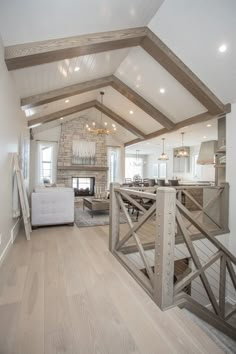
pixel 83 152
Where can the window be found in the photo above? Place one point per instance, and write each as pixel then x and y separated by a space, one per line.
pixel 155 170
pixel 196 169
pixel 133 167
pixel 46 163
pixel 113 164
pixel 162 170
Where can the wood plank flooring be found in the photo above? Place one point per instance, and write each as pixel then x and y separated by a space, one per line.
pixel 63 292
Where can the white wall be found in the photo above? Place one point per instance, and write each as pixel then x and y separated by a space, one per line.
pixel 231 173
pixel 13 124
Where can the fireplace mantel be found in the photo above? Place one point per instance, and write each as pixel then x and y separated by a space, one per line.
pixel 83 168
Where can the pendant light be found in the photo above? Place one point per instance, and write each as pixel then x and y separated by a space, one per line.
pixel 182 152
pixel 103 129
pixel 163 156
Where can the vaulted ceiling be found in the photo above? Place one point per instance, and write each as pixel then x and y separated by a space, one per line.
pixel 132 70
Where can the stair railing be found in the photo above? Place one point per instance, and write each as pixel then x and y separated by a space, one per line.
pixel 173 219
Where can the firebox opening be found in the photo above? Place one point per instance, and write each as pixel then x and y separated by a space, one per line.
pixel 83 186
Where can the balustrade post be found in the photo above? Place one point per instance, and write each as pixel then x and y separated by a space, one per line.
pixel 114 218
pixel 164 247
pixel 224 206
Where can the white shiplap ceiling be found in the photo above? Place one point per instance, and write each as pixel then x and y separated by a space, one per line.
pixel 24 21
pixel 192 29
pixel 47 77
pixel 144 75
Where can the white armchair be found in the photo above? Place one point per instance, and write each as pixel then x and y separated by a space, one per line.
pixel 52 206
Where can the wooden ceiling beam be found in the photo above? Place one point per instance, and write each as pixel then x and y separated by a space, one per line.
pixel 36 53
pixel 139 101
pixel 166 58
pixel 63 113
pixel 113 81
pixel 65 92
pixel 119 120
pixel 199 118
pixel 82 107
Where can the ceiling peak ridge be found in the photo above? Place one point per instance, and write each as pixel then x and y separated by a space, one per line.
pixel 111 80
pixel 84 106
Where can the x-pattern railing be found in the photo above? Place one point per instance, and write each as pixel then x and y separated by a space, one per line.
pixel 201 209
pixel 222 253
pixel 134 228
pixel 226 268
pixel 171 215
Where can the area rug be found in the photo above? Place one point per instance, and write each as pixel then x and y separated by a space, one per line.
pixel 83 218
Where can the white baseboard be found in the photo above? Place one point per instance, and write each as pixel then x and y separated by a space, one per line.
pixel 15 229
pixel 5 251
pixel 14 233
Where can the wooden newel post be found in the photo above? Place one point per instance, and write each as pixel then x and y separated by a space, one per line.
pixel 164 247
pixel 224 206
pixel 114 219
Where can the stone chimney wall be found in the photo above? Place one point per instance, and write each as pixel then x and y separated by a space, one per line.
pixel 75 130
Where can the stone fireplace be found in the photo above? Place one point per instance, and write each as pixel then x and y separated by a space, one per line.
pixel 66 170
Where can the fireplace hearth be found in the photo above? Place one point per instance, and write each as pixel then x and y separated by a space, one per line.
pixel 83 186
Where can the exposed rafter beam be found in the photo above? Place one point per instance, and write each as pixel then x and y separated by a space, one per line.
pixel 36 53
pixel 63 113
pixel 141 103
pixel 102 108
pixel 203 117
pixel 51 96
pixel 119 120
pixel 165 57
pixel 126 91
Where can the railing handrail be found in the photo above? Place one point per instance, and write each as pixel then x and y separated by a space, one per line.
pixel 138 193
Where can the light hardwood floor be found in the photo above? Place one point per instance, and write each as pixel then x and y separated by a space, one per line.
pixel 63 292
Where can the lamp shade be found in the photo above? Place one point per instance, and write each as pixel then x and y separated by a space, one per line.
pixel 207 153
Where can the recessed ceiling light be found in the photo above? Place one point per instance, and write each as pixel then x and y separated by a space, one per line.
pixel 77 68
pixel 204 137
pixel 147 143
pixel 67 101
pixel 61 118
pixel 94 123
pixel 162 90
pixel 131 112
pixel 222 48
pixel 208 125
pixel 113 125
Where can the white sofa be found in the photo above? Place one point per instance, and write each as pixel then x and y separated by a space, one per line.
pixel 52 206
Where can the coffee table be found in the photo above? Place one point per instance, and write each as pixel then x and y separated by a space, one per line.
pixel 96 205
